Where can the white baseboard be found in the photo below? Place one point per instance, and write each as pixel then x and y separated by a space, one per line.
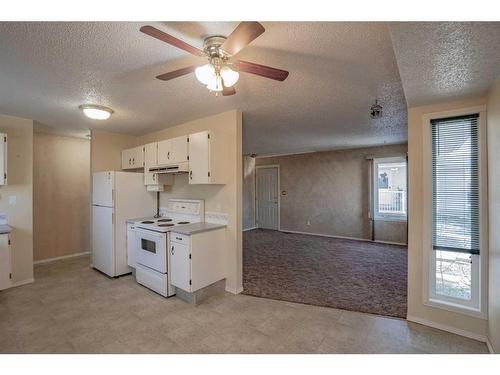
pixel 342 237
pixel 22 282
pixel 490 347
pixel 444 327
pixel 61 257
pixel 234 291
pixel 247 229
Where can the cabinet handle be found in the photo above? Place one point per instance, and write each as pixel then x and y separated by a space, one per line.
pixel 154 177
pixel 168 155
pixel 172 250
pixel 178 238
pixel 133 161
pixel 129 161
pixel 191 175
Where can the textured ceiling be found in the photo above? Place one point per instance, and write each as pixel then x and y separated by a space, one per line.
pixel 336 72
pixel 446 60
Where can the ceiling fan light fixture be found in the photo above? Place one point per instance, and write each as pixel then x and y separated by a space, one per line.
pixel 96 112
pixel 215 84
pixel 205 73
pixel 229 76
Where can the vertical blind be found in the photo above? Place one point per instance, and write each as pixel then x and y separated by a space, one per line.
pixel 455 184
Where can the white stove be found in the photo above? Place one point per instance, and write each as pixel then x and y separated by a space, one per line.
pixel 152 238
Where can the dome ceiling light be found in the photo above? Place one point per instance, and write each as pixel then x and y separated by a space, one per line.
pixel 96 112
pixel 220 74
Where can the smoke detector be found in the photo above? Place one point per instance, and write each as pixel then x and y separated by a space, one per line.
pixel 376 110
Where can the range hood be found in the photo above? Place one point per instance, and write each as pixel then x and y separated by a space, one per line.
pixel 173 168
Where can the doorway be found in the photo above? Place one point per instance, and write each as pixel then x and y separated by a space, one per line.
pixel 267 197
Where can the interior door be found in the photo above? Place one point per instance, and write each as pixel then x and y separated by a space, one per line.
pixel 267 197
pixel 103 246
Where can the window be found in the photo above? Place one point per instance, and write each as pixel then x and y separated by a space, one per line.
pixel 389 188
pixel 454 265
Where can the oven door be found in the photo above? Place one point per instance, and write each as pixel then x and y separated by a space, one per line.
pixel 151 249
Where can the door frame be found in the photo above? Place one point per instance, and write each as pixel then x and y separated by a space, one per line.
pixel 257 167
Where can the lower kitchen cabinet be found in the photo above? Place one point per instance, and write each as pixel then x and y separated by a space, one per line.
pixel 197 260
pixel 5 262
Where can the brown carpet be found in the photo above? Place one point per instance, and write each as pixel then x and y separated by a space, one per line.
pixel 345 274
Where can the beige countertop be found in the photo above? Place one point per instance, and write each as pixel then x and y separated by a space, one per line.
pixel 197 228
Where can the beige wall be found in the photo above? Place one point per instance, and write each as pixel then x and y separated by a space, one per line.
pixel 416 246
pixel 61 195
pixel 331 190
pixel 106 150
pixel 218 198
pixel 248 192
pixel 494 215
pixel 20 185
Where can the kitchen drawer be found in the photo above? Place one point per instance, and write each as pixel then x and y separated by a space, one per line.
pixel 180 238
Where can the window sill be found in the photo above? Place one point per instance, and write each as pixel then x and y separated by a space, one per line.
pixel 453 307
pixel 391 218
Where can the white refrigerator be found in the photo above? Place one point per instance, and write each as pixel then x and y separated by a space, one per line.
pixel 116 197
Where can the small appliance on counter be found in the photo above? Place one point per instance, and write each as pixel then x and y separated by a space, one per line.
pixel 116 196
pixel 152 240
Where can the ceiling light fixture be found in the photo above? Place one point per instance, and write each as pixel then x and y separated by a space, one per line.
pixel 216 75
pixel 96 112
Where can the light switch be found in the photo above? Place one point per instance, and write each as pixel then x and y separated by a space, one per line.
pixel 12 200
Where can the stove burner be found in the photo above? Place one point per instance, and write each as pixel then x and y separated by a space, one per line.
pixel 183 222
pixel 166 225
pixel 147 222
pixel 163 220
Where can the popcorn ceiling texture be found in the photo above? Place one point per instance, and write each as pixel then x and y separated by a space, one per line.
pixel 446 60
pixel 336 72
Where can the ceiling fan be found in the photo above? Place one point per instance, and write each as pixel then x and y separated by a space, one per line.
pixel 220 74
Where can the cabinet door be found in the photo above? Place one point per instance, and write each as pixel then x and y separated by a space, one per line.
pixel 138 157
pixel 131 245
pixel 3 159
pixel 180 266
pixel 199 158
pixel 179 149
pixel 150 160
pixel 127 159
pixel 164 150
pixel 5 265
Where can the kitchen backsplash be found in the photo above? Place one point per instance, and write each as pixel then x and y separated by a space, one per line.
pixel 216 217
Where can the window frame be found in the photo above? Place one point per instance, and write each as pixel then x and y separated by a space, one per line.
pixel 477 307
pixel 377 216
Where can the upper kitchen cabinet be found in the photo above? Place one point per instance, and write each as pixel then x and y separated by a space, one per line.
pixel 3 159
pixel 152 180
pixel 133 158
pixel 173 151
pixel 207 158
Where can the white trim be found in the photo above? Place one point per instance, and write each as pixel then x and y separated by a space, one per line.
pixel 49 260
pixel 234 291
pixel 279 193
pixel 342 237
pixel 22 282
pixel 490 347
pixel 444 327
pixel 427 212
pixel 251 228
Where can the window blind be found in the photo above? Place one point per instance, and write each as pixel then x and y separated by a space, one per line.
pixel 455 183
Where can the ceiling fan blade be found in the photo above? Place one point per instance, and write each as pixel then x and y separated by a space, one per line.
pixel 261 70
pixel 167 38
pixel 243 35
pixel 177 73
pixel 227 91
